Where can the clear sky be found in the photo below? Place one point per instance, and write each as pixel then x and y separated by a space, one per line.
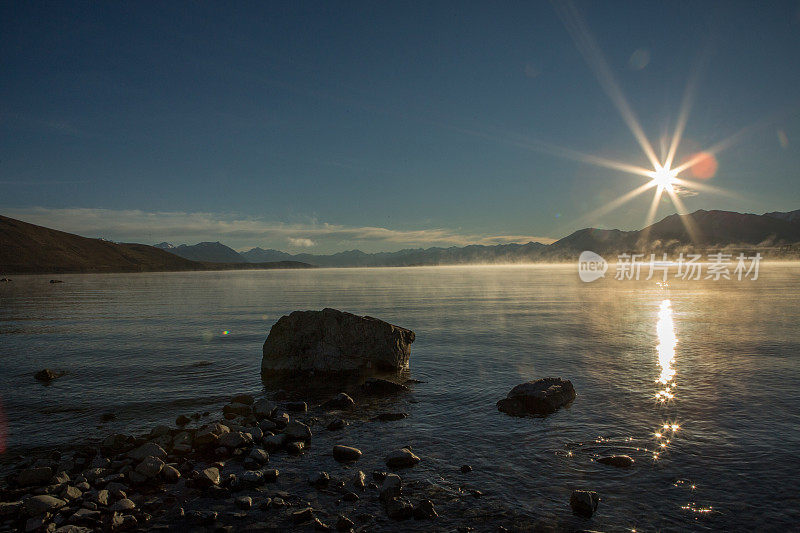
pixel 325 126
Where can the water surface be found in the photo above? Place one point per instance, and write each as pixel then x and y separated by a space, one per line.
pixel 718 360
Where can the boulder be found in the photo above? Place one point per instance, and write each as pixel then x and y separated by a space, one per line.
pixel 335 341
pixel 584 502
pixel 540 397
pixel 391 487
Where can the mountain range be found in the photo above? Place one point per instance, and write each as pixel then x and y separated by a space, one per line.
pixel 712 229
pixel 28 248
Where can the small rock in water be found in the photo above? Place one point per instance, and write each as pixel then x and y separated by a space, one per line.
pixel 244 502
pixel 540 397
pixel 390 417
pixel 47 375
pixel 320 480
pixel 336 424
pixel 344 524
pixel 295 447
pixel 341 401
pixel 182 420
pixel 360 480
pixel 424 510
pixel 297 407
pixel 346 453
pixel 621 461
pixel 379 387
pixel 391 487
pixel 246 399
pixel 465 469
pixel 107 417
pixel 399 509
pixel 303 515
pixel 350 497
pixel 584 502
pixel 402 458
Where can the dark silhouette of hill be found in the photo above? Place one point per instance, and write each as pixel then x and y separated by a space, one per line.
pixel 28 248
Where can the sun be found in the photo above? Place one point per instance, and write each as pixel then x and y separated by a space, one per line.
pixel 664 178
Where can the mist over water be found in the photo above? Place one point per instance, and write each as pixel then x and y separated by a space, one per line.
pixel 716 362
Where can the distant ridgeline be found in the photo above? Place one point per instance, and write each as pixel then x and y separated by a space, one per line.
pixel 776 235
pixel 27 248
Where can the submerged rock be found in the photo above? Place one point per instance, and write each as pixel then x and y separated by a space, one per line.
pixel 380 387
pixel 621 461
pixel 335 341
pixel 47 375
pixel 584 502
pixel 540 397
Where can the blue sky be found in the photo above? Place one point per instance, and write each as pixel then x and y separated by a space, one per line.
pixel 329 126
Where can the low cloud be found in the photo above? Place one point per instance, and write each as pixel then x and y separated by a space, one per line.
pixel 300 242
pixel 246 232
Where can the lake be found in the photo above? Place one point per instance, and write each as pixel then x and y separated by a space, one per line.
pixel 698 381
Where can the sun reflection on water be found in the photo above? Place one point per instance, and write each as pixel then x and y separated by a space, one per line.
pixel 667 341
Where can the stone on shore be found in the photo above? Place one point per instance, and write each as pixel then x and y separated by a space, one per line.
pixel 296 430
pixel 34 476
pixel 425 510
pixel 402 458
pixel 335 341
pixel 584 502
pixel 346 453
pixel 150 466
pixel 145 450
pixel 540 397
pixel 399 509
pixel 263 408
pixel 37 505
pixel 210 434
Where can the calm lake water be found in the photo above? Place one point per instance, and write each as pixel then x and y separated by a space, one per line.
pixel 719 360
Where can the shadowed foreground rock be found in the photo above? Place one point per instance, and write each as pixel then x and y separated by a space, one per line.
pixel 335 341
pixel 540 397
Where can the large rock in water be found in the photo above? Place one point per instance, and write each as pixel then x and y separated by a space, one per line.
pixel 334 341
pixel 540 397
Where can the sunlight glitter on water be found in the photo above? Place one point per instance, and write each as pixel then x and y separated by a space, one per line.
pixel 666 351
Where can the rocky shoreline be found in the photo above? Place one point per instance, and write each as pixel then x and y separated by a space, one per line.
pixel 265 464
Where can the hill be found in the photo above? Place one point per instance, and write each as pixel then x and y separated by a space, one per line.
pixel 28 248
